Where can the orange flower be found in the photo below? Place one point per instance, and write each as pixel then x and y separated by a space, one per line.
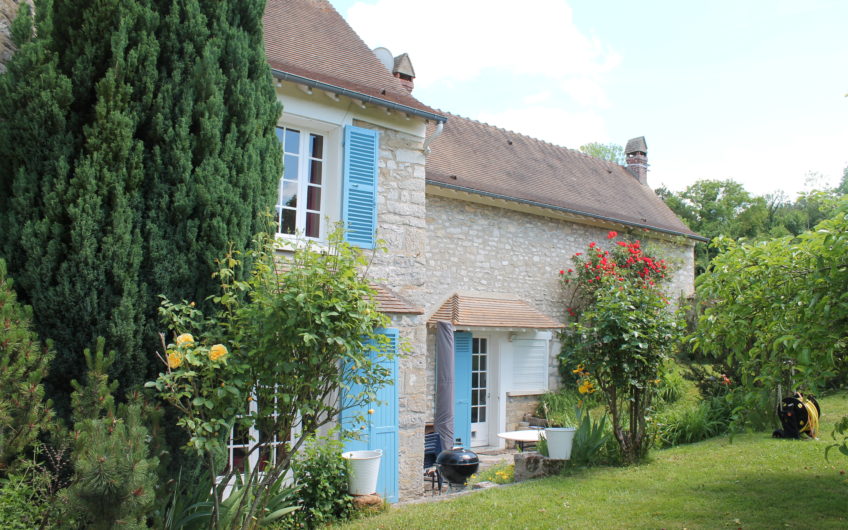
pixel 174 360
pixel 185 338
pixel 218 351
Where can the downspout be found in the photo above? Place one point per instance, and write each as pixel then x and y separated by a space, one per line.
pixel 440 126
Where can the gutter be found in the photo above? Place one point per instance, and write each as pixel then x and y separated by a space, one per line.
pixel 365 98
pixel 567 210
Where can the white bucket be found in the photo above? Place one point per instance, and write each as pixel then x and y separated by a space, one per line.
pixel 364 468
pixel 559 442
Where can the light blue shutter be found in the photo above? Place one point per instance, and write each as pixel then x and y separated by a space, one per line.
pixel 380 430
pixel 462 387
pixel 359 205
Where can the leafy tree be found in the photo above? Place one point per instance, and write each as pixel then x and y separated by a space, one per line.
pixel 287 343
pixel 778 311
pixel 136 141
pixel 609 152
pixel 622 332
pixel 23 364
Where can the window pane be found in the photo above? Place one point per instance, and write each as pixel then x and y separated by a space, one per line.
pixel 292 141
pixel 290 168
pixel 290 194
pixel 483 362
pixel 473 414
pixel 482 399
pixel 288 225
pixel 280 134
pixel 482 414
pixel 239 459
pixel 482 379
pixel 475 362
pixel 315 169
pixel 313 225
pixel 313 199
pixel 317 148
pixel 475 380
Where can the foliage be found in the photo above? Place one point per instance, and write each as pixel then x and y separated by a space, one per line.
pixel 23 365
pixel 26 497
pixel 715 208
pixel 299 333
pixel 610 152
pixel 622 335
pixel 693 422
pixel 673 384
pixel 841 428
pixel 590 438
pixel 136 140
pixel 114 478
pixel 776 311
pixel 502 473
pixel 321 475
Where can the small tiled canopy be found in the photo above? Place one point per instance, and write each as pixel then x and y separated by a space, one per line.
pixel 481 312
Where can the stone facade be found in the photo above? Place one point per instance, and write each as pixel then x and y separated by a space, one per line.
pixel 484 248
pixel 402 269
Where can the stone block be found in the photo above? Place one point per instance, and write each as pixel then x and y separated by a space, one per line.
pixel 534 465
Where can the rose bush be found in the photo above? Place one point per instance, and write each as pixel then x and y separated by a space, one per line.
pixel 621 330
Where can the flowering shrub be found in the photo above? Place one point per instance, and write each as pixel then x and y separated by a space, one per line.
pixel 621 332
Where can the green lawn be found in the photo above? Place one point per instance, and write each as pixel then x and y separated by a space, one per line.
pixel 751 481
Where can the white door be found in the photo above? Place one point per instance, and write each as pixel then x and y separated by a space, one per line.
pixel 479 391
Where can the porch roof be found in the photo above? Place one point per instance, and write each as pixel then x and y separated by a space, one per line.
pixel 482 312
pixel 389 301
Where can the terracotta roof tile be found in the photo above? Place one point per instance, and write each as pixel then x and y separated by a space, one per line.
pixel 475 311
pixel 474 156
pixel 390 302
pixel 309 38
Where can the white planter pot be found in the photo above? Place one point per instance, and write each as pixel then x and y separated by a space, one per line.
pixel 559 442
pixel 364 469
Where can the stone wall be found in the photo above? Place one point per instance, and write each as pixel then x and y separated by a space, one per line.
pixel 486 249
pixel 401 225
pixel 8 11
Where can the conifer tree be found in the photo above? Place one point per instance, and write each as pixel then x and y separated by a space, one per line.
pixel 114 477
pixel 136 143
pixel 23 364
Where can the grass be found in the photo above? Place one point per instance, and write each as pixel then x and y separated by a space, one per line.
pixel 749 481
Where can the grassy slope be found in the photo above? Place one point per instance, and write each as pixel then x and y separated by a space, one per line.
pixel 751 481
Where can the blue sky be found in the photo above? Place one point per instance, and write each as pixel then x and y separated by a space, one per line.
pixel 748 90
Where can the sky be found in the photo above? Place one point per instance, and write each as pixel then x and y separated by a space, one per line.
pixel 749 90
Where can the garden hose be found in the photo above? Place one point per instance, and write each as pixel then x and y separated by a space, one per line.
pixel 812 426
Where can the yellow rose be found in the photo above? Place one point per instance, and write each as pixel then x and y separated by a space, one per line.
pixel 186 339
pixel 218 351
pixel 174 360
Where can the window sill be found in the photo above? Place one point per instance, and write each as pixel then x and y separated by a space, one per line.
pixel 522 393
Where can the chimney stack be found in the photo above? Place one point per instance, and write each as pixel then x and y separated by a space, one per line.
pixel 403 70
pixel 636 159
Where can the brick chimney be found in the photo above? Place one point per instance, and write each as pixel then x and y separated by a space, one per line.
pixel 403 70
pixel 636 159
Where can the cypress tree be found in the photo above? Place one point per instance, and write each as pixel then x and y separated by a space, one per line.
pixel 136 143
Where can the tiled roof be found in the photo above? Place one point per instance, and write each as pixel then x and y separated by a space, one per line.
pixel 390 302
pixel 308 38
pixel 476 157
pixel 475 311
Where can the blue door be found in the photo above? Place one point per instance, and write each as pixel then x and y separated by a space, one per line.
pixel 462 387
pixel 380 429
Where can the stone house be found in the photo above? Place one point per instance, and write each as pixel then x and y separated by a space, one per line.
pixel 477 222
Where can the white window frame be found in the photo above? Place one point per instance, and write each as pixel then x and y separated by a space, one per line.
pixel 331 180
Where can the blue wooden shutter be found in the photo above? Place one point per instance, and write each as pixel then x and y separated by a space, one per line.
pixel 381 428
pixel 359 205
pixel 462 387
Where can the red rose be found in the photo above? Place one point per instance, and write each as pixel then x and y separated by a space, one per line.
pixel 563 272
pixel 592 244
pixel 612 234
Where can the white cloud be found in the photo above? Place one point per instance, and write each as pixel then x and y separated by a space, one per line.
pixel 453 41
pixel 552 124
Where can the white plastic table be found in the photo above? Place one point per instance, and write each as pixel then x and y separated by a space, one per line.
pixel 528 436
